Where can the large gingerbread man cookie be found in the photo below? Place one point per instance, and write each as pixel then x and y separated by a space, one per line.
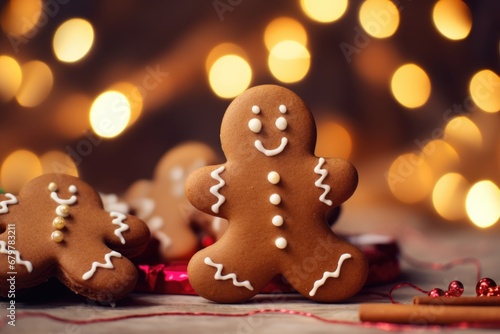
pixel 275 194
pixel 57 227
pixel 162 204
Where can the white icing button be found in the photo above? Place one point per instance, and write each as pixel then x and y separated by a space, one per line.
pixel 282 109
pixel 255 125
pixel 273 177
pixel 281 123
pixel 72 189
pixel 277 220
pixel 281 243
pixel 256 109
pixel 275 199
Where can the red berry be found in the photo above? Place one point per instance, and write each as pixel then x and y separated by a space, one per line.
pixel 436 293
pixel 455 289
pixel 483 285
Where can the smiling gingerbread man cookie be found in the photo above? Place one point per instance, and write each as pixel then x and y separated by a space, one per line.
pixel 57 227
pixel 275 193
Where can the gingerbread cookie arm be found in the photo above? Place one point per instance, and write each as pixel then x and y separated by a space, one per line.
pixel 336 181
pixel 125 233
pixel 211 198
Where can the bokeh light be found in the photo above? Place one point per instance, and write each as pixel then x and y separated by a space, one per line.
pixel 324 11
pixel 229 76
pixel 333 140
pixel 289 61
pixel 411 86
pixel 410 178
pixel 386 58
pixel 379 18
pixel 73 40
pixel 134 97
pixel 20 17
pixel 10 78
pixel 440 156
pixel 58 162
pixel 110 114
pixel 483 203
pixel 284 28
pixel 36 84
pixel 485 90
pixel 463 132
pixel 18 168
pixel 452 19
pixel 448 196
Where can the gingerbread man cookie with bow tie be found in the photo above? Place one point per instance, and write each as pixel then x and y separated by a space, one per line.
pixel 275 194
pixel 57 227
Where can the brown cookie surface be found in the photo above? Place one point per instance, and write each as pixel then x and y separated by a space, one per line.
pixel 162 203
pixel 57 227
pixel 275 193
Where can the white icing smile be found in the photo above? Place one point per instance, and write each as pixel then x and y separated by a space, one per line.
pixel 273 152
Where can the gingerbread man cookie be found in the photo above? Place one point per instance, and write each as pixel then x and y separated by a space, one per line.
pixel 275 194
pixel 162 204
pixel 57 227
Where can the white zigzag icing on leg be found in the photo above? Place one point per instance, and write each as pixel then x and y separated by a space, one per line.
pixel 232 276
pixel 106 265
pixel 328 274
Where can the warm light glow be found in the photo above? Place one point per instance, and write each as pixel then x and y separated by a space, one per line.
pixel 461 131
pixel 386 58
pixel 134 97
pixel 73 40
pixel 20 167
pixel 284 28
pixel 36 85
pixel 221 50
pixel 449 196
pixel 379 18
pixel 485 90
pixel 410 178
pixel 21 16
pixel 440 156
pixel 110 114
pixel 333 140
pixel 289 61
pixel 411 86
pixel 10 78
pixel 229 76
pixel 72 116
pixel 324 11
pixel 452 19
pixel 58 162
pixel 483 203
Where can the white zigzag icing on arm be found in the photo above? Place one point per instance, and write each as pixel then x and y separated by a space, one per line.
pixel 232 276
pixel 215 189
pixel 4 204
pixel 319 183
pixel 122 227
pixel 328 274
pixel 106 265
pixel 3 250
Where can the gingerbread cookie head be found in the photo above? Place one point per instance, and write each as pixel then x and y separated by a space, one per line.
pixel 57 226
pixel 275 194
pixel 162 204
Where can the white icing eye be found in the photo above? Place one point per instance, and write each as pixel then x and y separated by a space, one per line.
pixel 255 125
pixel 281 123
pixel 282 109
pixel 281 243
pixel 72 189
pixel 255 110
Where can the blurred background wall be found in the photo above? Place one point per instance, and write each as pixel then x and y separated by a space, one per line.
pixel 407 90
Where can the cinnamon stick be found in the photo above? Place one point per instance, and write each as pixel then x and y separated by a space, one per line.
pixel 457 301
pixel 428 314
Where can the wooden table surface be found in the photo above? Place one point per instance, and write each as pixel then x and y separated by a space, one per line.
pixel 441 245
